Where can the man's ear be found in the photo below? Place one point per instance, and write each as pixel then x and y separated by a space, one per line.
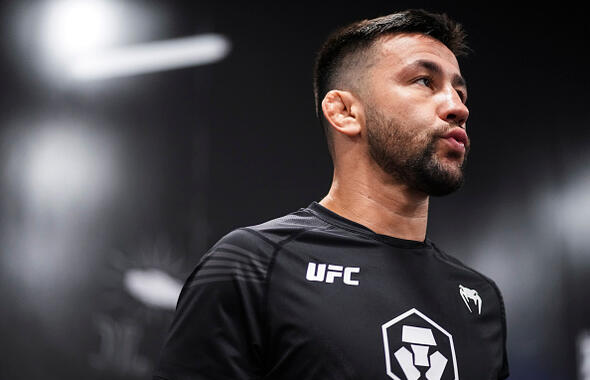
pixel 344 112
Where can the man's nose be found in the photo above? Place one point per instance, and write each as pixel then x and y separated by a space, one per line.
pixel 452 109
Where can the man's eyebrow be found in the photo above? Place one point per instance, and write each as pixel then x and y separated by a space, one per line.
pixel 434 67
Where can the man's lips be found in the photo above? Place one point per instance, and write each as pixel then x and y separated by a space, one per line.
pixel 457 137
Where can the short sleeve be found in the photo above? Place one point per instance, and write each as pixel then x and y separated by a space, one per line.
pixel 217 332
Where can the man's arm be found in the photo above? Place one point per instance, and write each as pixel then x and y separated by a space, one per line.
pixel 216 330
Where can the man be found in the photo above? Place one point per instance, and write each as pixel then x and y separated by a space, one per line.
pixel 350 287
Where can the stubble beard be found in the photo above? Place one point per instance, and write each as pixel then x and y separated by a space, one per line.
pixel 411 159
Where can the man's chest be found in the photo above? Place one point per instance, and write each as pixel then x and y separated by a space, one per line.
pixel 366 317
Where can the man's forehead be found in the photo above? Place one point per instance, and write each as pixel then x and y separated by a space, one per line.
pixel 405 48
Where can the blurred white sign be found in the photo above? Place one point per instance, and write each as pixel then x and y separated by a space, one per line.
pixel 584 355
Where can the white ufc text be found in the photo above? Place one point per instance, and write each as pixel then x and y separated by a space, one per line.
pixel 329 273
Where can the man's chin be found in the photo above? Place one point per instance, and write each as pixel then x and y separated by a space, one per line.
pixel 441 179
pixel 453 168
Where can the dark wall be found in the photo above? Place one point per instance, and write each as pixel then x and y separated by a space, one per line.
pixel 179 158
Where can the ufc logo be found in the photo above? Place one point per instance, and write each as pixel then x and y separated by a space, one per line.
pixel 318 272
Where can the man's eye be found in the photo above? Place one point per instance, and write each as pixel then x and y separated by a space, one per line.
pixel 462 96
pixel 425 81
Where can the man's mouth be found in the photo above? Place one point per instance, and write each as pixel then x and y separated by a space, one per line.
pixel 457 139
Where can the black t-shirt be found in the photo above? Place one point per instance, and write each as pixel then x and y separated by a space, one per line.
pixel 313 295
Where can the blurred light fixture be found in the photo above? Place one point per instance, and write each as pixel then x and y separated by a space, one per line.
pixel 61 174
pixel 98 39
pixel 153 287
pixel 73 27
pixel 67 165
pixel 565 209
pixel 151 57
pixel 584 355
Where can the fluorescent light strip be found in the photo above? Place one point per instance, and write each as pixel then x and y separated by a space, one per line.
pixel 151 57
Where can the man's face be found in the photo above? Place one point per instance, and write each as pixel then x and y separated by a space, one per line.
pixel 415 113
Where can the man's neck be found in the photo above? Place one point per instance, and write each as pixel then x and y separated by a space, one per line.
pixel 385 208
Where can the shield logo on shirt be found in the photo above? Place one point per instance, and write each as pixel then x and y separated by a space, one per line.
pixel 418 348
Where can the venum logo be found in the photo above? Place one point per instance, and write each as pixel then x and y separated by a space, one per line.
pixel 470 295
pixel 418 348
pixel 318 272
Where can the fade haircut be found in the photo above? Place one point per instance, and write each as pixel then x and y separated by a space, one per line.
pixel 348 48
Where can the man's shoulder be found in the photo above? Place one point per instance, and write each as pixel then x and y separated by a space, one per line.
pixel 270 235
pixel 286 225
pixel 246 253
pixel 455 262
pixel 274 231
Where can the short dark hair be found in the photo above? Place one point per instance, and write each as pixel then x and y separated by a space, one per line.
pixel 348 45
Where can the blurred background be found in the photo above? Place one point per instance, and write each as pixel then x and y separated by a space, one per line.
pixel 134 134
